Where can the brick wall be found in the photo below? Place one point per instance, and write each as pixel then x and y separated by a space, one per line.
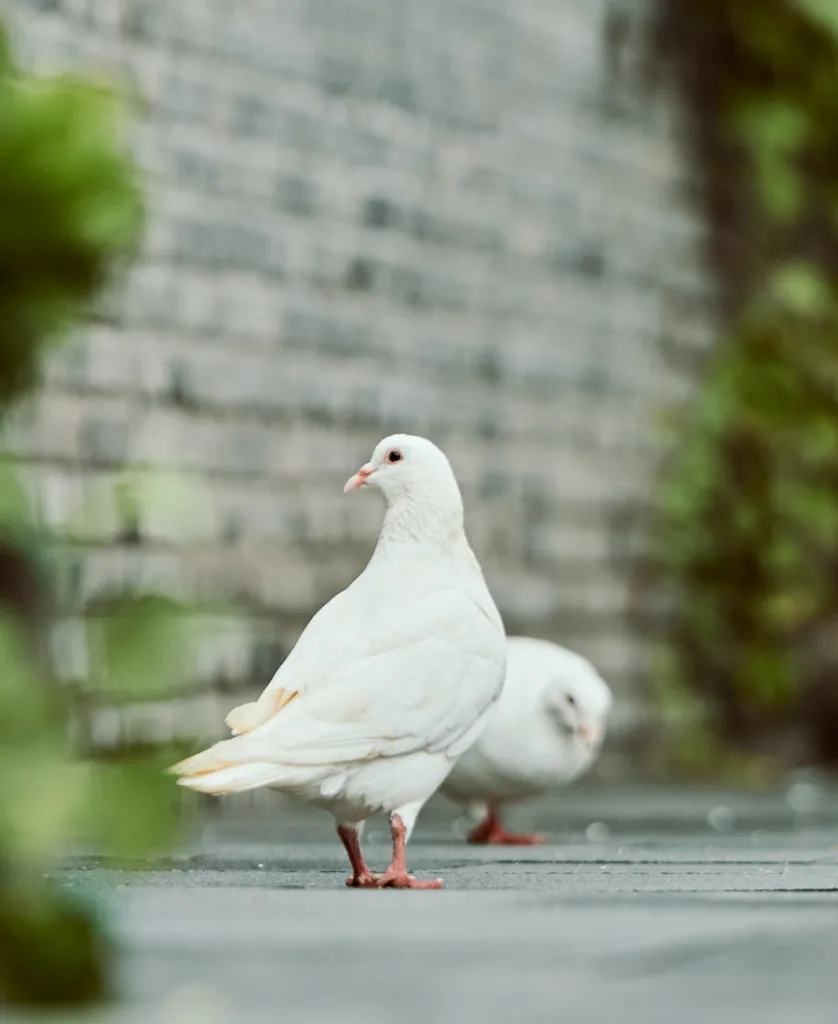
pixel 458 218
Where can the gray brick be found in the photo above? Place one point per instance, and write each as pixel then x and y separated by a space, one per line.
pixel 296 194
pixel 144 19
pixel 103 440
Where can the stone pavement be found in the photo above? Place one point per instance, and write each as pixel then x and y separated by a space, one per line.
pixel 729 914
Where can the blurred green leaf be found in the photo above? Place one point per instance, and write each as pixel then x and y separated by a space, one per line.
pixel 132 810
pixel 41 795
pixel 69 205
pixel 14 505
pixel 802 289
pixel 54 951
pixel 767 673
pixel 788 610
pixel 138 649
pixel 784 556
pixel 26 705
pixel 820 440
pixel 772 126
pixel 70 209
pixel 165 503
pixel 748 534
pixel 780 187
pixel 823 12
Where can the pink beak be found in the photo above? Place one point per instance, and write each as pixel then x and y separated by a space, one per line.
pixel 359 479
pixel 589 733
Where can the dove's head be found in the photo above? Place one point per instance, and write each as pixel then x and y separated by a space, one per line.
pixel 410 469
pixel 581 702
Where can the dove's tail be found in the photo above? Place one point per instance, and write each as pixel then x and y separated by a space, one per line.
pixel 212 772
pixel 235 779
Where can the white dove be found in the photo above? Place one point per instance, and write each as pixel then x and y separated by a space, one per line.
pixel 546 729
pixel 390 681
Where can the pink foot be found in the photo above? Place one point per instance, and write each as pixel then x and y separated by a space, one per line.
pixel 396 876
pixel 491 833
pixel 393 880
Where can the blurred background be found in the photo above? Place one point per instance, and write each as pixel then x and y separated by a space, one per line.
pixel 587 248
pixel 454 220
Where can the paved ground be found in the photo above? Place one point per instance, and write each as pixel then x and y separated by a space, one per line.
pixel 727 911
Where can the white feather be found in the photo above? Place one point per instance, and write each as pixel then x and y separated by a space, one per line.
pixel 390 680
pixel 531 742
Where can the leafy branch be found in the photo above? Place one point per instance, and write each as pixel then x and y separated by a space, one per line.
pixel 749 509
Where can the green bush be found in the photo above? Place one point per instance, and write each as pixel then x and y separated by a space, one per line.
pixel 749 509
pixel 70 206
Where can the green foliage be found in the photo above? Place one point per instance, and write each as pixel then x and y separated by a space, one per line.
pixel 749 510
pixel 69 207
pixel 56 794
pixel 69 204
pixel 137 649
pixel 52 945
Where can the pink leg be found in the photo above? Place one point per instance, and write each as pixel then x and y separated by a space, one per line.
pixel 490 832
pixel 362 877
pixel 396 876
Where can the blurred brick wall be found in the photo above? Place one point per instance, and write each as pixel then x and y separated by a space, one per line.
pixel 458 218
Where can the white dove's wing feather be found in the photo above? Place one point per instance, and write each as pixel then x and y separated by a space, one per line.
pixel 428 687
pixel 354 625
pixel 311 660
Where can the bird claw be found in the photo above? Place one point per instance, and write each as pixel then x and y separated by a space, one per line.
pixel 392 880
pixel 518 839
pixel 494 834
pixel 364 881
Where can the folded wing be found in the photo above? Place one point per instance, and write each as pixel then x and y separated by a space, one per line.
pixel 426 687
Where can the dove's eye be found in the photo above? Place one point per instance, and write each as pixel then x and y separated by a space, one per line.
pixel 571 700
pixel 394 455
